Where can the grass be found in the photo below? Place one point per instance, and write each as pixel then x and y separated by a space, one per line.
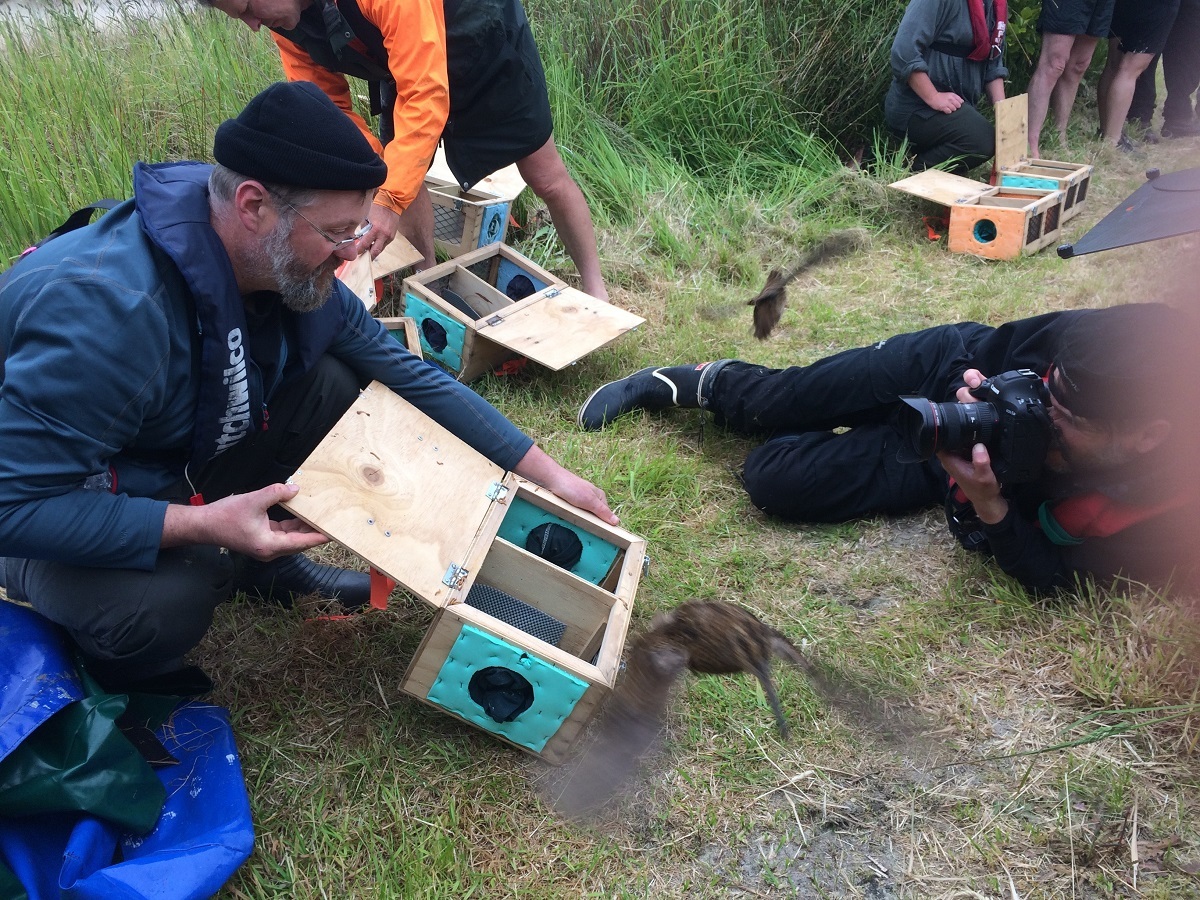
pixel 1044 729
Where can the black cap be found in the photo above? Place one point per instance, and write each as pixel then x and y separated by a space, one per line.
pixel 1126 363
pixel 292 134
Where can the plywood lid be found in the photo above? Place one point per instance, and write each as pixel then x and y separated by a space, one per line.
pixel 359 274
pixel 356 275
pixel 557 326
pixel 505 184
pixel 940 187
pixel 400 491
pixel 1012 131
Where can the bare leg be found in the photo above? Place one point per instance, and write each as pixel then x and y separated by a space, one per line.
pixel 1062 99
pixel 1056 50
pixel 416 224
pixel 1116 88
pixel 544 171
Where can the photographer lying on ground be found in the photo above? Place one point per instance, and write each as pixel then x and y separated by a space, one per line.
pixel 1114 494
pixel 140 357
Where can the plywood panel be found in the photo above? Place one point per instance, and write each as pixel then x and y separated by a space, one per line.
pixel 356 275
pixel 579 605
pixel 1012 131
pixel 397 255
pixel 398 489
pixel 559 330
pixel 940 187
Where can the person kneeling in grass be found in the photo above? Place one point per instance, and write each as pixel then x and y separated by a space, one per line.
pixel 946 56
pixel 1117 493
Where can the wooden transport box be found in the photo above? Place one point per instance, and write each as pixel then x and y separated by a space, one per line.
pixel 1015 169
pixel 465 220
pixel 992 222
pixel 521 646
pixel 469 219
pixel 493 304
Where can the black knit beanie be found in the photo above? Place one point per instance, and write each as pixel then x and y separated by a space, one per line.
pixel 1126 363
pixel 292 134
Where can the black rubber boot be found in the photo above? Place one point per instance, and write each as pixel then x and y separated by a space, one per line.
pixel 650 389
pixel 284 579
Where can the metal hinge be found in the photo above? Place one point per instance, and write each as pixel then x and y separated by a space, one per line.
pixel 552 292
pixel 455 577
pixel 496 491
pixel 495 320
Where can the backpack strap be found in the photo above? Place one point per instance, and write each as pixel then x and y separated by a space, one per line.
pixel 74 221
pixel 79 218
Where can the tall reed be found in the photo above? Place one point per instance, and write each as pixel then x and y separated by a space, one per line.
pixel 81 101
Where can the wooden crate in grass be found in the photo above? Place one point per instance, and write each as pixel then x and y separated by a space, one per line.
pixel 523 645
pixel 992 222
pixel 492 304
pixel 1014 168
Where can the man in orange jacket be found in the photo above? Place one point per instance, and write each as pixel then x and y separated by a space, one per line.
pixel 465 71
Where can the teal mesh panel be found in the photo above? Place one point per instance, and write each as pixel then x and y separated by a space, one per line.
pixel 598 554
pixel 493 224
pixel 1029 181
pixel 507 269
pixel 555 692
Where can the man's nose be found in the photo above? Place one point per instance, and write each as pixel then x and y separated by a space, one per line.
pixel 347 251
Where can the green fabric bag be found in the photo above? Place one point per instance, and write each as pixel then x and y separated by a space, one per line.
pixel 78 760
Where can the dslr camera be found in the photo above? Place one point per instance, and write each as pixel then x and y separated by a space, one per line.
pixel 1010 419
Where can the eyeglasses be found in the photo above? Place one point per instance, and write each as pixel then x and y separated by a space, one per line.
pixel 359 232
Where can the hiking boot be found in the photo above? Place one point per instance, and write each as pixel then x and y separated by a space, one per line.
pixel 651 389
pixel 1181 129
pixel 284 579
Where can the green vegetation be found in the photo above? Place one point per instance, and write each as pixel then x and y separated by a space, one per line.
pixel 703 133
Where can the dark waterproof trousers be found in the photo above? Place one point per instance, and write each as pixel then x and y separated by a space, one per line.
pixel 132 624
pixel 964 135
pixel 807 471
pixel 1181 72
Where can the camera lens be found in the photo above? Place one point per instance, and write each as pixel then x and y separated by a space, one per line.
pixel 929 427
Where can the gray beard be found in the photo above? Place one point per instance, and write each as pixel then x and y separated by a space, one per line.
pixel 300 291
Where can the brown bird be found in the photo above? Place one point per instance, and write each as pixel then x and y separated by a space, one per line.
pixel 768 305
pixel 707 638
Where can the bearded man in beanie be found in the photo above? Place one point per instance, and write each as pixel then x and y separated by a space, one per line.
pixel 167 368
pixel 1117 493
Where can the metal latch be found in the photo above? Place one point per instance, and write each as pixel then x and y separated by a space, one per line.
pixel 496 491
pixel 495 320
pixel 552 292
pixel 645 565
pixel 455 577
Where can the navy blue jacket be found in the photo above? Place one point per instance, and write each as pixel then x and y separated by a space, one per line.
pixel 123 350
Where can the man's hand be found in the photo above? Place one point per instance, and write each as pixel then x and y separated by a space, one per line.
pixel 975 475
pixel 974 378
pixel 538 467
pixel 978 482
pixel 384 223
pixel 240 523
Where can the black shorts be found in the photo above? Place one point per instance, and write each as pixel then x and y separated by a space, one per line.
pixel 1090 17
pixel 499 106
pixel 1143 25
